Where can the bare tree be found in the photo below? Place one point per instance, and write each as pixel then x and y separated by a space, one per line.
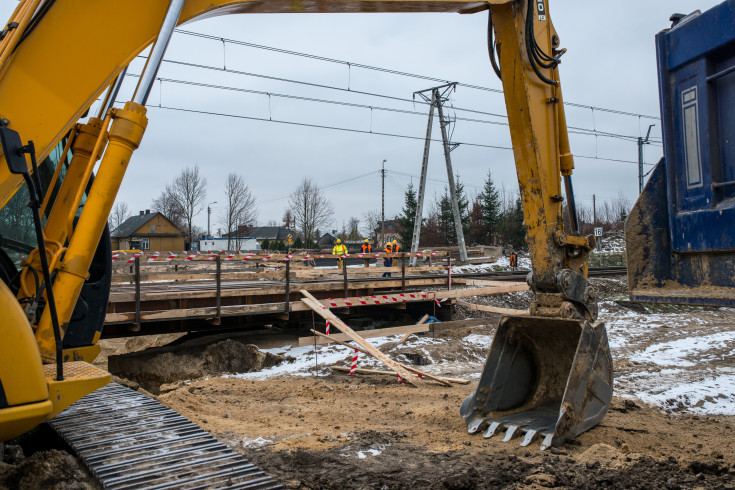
pixel 370 220
pixel 240 209
pixel 119 213
pixel 288 219
pixel 190 191
pixel 353 229
pixel 310 208
pixel 167 204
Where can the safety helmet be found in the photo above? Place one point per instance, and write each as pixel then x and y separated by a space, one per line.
pixel 394 242
pixel 339 241
pixel 366 240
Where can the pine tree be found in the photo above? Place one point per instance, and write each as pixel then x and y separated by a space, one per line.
pixel 447 235
pixel 518 229
pixel 490 206
pixel 407 219
pixel 298 243
pixel 265 244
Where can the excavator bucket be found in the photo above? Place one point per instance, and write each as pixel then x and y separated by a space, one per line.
pixel 543 376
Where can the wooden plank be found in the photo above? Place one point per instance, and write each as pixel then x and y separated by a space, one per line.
pixel 483 282
pixel 470 322
pixel 368 334
pixel 391 373
pixel 122 297
pixel 493 309
pixel 420 322
pixel 324 312
pixel 430 376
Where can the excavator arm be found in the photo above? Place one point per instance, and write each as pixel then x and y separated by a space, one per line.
pixel 57 58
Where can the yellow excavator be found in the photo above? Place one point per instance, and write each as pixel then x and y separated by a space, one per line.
pixel 548 374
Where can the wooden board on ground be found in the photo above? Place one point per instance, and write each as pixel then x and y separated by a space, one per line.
pixel 391 373
pixel 387 332
pixel 324 312
pixel 493 309
pixel 420 322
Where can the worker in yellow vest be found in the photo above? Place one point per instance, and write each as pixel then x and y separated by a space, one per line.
pixel 339 250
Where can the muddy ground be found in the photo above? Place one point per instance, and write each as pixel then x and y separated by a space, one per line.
pixel 311 427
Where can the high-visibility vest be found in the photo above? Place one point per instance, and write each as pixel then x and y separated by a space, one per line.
pixel 366 247
pixel 388 249
pixel 397 248
pixel 339 249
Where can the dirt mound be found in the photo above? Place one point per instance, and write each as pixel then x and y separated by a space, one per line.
pixel 52 469
pixel 193 359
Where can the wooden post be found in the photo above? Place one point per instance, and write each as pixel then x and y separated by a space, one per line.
pixel 366 263
pixel 287 306
pixel 219 287
pixel 137 294
pixel 344 274
pixel 403 272
pixel 449 270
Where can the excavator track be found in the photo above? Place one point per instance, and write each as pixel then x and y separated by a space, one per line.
pixel 129 440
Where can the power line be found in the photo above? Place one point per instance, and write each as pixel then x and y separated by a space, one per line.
pixel 388 70
pixel 323 187
pixel 571 129
pixel 362 131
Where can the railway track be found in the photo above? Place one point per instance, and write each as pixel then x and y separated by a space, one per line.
pixel 128 440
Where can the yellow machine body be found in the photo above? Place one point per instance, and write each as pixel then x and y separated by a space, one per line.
pixel 50 78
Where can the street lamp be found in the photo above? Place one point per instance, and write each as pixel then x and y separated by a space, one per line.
pixel 209 214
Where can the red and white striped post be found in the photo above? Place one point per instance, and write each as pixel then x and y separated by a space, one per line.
pixel 354 363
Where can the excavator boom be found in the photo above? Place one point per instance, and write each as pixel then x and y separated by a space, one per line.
pixel 550 373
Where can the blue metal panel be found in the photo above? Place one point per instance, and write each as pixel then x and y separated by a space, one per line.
pixel 713 28
pixel 697 125
pixel 680 234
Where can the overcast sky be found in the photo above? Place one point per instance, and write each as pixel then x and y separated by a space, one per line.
pixel 610 64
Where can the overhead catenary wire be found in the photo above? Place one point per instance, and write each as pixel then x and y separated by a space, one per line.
pixel 572 129
pixel 362 131
pixel 352 64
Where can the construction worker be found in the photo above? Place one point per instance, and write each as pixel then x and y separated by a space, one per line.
pixel 366 247
pixel 396 247
pixel 387 262
pixel 339 250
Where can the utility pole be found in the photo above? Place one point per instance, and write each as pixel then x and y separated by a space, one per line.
pixel 437 99
pixel 382 206
pixel 209 214
pixel 642 142
pixel 594 212
pixel 422 184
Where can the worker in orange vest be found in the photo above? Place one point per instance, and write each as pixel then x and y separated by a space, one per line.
pixel 387 262
pixel 396 247
pixel 366 247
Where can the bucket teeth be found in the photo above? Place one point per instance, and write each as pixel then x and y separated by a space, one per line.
pixel 509 433
pixel 475 425
pixel 491 430
pixel 547 442
pixel 528 438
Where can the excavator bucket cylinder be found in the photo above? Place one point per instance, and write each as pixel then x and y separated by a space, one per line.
pixel 543 376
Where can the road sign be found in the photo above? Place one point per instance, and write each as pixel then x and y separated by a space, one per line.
pixel 598 231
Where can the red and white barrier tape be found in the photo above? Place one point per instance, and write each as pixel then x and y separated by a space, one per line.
pixel 327 328
pixel 439 302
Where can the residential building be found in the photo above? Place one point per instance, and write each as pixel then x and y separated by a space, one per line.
pixel 147 231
